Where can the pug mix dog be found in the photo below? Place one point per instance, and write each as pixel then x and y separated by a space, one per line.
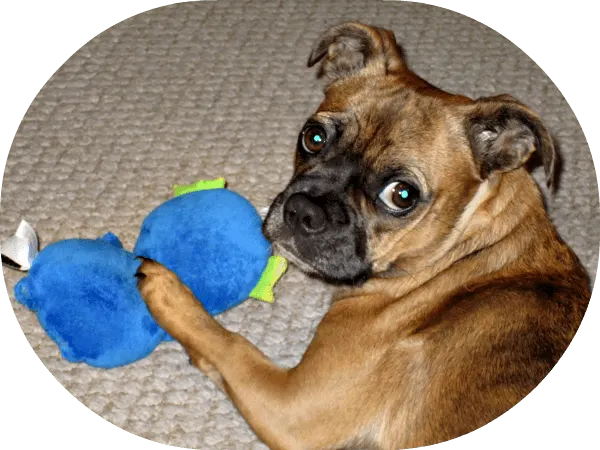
pixel 457 296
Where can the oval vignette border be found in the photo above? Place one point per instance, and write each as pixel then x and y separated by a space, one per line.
pixel 522 425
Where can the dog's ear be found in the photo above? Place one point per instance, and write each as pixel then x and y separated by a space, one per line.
pixel 349 48
pixel 503 134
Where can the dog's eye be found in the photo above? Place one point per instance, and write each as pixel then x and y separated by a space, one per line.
pixel 313 139
pixel 399 196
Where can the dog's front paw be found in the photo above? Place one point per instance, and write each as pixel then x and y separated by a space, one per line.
pixel 167 298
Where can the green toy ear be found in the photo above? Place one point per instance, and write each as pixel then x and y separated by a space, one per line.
pixel 202 185
pixel 276 267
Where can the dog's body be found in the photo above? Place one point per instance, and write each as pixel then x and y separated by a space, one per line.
pixel 459 295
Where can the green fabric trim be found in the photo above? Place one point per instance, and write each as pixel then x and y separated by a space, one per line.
pixel 202 185
pixel 276 267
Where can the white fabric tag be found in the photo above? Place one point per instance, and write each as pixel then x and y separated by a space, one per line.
pixel 262 212
pixel 19 250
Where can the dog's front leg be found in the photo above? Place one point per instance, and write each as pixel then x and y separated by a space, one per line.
pixel 288 409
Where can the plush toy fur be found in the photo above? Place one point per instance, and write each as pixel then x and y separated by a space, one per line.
pixel 212 240
pixel 85 295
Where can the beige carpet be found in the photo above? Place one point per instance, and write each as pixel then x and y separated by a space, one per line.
pixel 199 90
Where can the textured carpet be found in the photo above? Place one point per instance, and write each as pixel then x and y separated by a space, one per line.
pixel 198 90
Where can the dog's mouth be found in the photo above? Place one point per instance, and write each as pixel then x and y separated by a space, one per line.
pixel 318 256
pixel 293 257
pixel 282 240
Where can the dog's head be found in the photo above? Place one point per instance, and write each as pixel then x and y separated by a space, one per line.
pixel 389 165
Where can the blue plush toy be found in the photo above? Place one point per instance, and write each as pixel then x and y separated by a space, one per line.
pixel 85 295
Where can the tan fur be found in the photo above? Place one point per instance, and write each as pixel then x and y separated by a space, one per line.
pixel 472 301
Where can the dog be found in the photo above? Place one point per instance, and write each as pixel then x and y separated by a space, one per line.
pixel 456 296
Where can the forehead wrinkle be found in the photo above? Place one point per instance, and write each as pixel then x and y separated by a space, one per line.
pixel 377 157
pixel 329 115
pixel 385 128
pixel 375 128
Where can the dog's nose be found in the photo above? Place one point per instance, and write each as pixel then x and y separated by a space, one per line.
pixel 301 212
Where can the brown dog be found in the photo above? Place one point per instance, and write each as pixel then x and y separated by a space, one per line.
pixel 459 295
